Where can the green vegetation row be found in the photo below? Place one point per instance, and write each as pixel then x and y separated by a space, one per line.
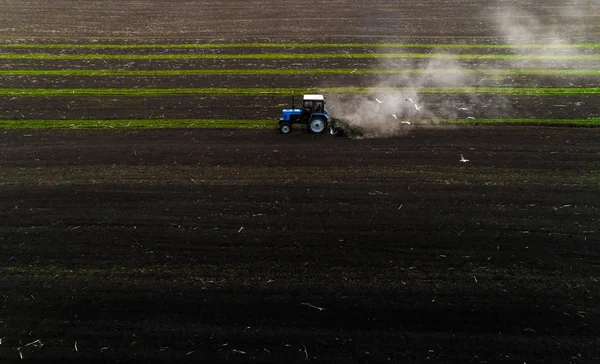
pixel 219 56
pixel 255 91
pixel 138 123
pixel 292 72
pixel 249 123
pixel 297 45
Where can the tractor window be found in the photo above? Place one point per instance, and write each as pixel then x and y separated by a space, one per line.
pixel 318 107
pixel 308 104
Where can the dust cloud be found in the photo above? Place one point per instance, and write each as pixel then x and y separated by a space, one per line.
pixel 527 27
pixel 391 113
pixel 563 23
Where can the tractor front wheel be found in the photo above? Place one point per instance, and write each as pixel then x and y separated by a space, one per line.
pixel 317 125
pixel 285 128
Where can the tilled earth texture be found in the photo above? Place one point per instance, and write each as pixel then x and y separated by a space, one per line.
pixel 150 211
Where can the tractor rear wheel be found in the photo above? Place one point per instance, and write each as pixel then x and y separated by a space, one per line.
pixel 317 125
pixel 285 128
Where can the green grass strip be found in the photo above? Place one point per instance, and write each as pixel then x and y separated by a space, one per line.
pixel 252 124
pixel 284 56
pixel 289 72
pixel 298 45
pixel 504 121
pixel 149 92
pixel 138 123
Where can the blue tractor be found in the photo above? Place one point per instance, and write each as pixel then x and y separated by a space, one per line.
pixel 312 114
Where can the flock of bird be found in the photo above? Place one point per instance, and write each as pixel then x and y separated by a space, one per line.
pixel 417 107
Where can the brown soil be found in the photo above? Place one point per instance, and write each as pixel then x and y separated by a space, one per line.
pixel 132 241
pixel 269 107
pixel 239 19
pixel 251 246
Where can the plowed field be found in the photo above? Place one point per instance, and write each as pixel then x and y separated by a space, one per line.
pixel 141 244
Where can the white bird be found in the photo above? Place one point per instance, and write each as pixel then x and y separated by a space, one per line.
pixel 462 159
pixel 395 117
pixel 463 109
pixel 354 70
pixel 378 101
pixel 405 122
pixel 416 106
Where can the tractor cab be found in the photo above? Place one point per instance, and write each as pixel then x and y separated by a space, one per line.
pixel 312 113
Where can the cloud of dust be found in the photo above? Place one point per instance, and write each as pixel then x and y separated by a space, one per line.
pixel 393 113
pixel 516 24
pixel 565 23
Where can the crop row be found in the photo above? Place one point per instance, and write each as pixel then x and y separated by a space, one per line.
pixel 218 56
pixel 293 72
pixel 300 45
pixel 136 123
pixel 246 124
pixel 255 91
pixel 28 83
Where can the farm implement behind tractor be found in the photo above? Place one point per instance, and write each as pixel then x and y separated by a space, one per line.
pixel 313 114
pixel 339 128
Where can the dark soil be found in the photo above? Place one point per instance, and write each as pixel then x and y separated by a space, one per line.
pixel 269 107
pixel 251 246
pixel 307 80
pixel 298 64
pixel 131 245
pixel 340 20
